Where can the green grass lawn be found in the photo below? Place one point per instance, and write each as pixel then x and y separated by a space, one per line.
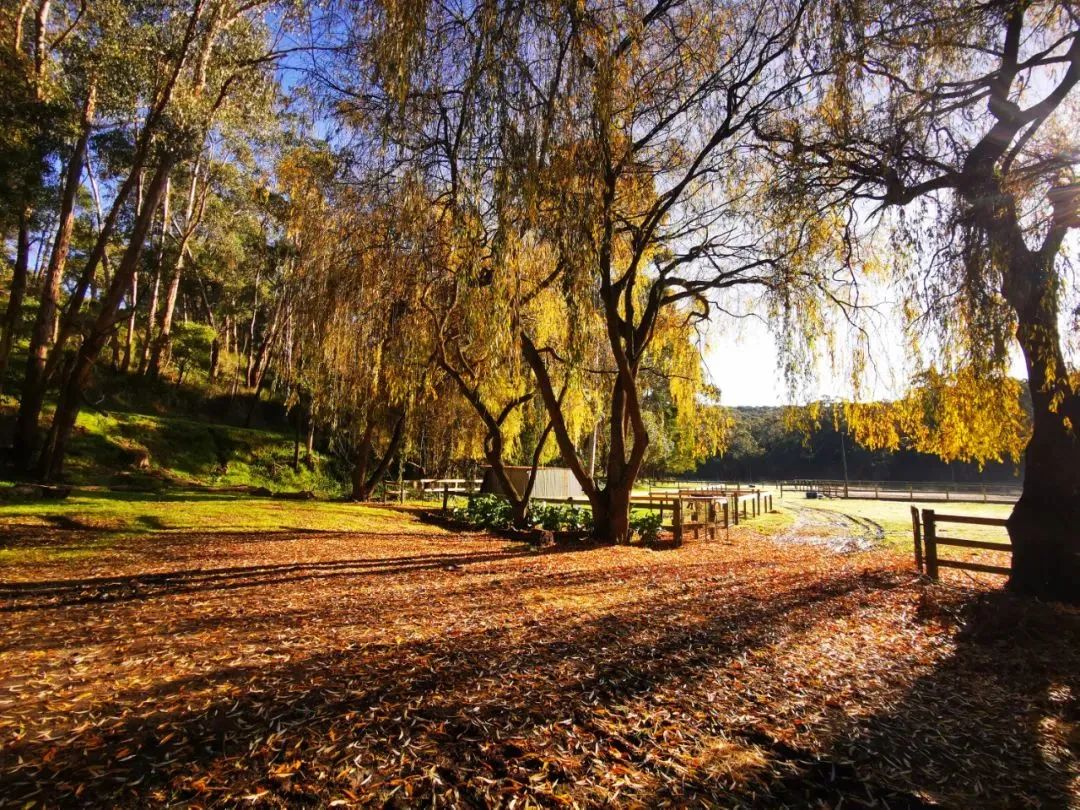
pixel 100 518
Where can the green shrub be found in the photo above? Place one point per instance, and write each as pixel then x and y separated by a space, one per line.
pixel 556 517
pixel 647 525
pixel 487 511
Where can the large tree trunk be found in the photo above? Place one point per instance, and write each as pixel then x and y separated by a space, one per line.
pixel 1045 523
pixel 16 294
pixel 46 320
pixel 362 483
pixel 51 462
pixel 611 515
pixel 358 474
pixel 611 504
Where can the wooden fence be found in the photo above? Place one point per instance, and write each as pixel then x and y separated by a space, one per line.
pixel 928 541
pixel 906 490
pixel 695 513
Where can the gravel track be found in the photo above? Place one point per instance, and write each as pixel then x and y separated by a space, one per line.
pixel 836 531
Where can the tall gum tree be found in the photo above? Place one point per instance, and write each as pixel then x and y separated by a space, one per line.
pixel 38 114
pixel 221 51
pixel 958 120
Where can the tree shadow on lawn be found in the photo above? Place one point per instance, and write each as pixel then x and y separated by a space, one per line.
pixel 50 594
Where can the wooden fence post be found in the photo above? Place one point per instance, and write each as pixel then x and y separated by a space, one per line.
pixel 930 538
pixel 445 495
pixel 916 530
pixel 735 509
pixel 711 531
pixel 676 522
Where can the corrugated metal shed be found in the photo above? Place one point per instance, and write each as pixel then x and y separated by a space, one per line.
pixel 551 482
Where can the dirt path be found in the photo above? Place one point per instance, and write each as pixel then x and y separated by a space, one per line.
pixel 836 531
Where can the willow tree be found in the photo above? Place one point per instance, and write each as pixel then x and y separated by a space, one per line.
pixel 614 138
pixel 438 87
pixel 957 120
pixel 656 129
pixel 354 307
pixel 957 417
pixel 474 341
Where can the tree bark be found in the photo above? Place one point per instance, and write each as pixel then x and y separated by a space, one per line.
pixel 17 292
pixel 159 352
pixel 248 376
pixel 1045 523
pixel 155 288
pixel 362 483
pixel 215 358
pixel 46 320
pixel 610 504
pixel 50 465
pixel 129 345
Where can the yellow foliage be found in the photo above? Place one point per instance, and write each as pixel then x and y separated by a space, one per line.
pixel 963 416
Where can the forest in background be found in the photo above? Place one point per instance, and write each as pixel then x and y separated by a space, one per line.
pixel 763 446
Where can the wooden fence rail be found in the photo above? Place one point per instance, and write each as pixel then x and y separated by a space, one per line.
pixel 906 490
pixel 927 543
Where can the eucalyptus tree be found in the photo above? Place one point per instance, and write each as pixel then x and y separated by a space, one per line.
pixel 38 111
pixel 209 56
pixel 956 121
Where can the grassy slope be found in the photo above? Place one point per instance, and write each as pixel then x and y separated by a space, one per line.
pixel 130 447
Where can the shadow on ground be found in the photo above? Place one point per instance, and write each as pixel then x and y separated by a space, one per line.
pixel 642 687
